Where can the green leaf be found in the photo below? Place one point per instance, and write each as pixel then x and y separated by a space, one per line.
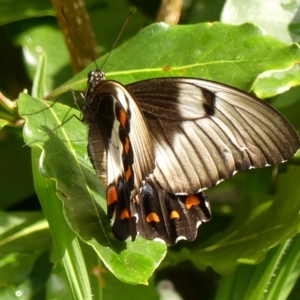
pixel 14 10
pixel 110 286
pixel 39 88
pixel 65 159
pixel 272 83
pixel 24 236
pixel 57 285
pixel 282 21
pixel 234 55
pixel 287 271
pixel 65 240
pixel 115 289
pixel 15 169
pixel 286 28
pixel 38 36
pixel 272 279
pixel 33 286
pixel 3 123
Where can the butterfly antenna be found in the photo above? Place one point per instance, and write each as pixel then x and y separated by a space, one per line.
pixel 78 36
pixel 132 11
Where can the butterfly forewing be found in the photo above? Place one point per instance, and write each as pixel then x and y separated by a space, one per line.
pixel 208 141
pixel 166 140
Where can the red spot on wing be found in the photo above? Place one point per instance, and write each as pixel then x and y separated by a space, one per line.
pixel 122 117
pixel 125 214
pixel 127 145
pixel 111 195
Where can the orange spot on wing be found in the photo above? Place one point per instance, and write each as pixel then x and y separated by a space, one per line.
pixel 167 68
pixel 111 195
pixel 125 214
pixel 127 145
pixel 153 217
pixel 174 215
pixel 122 117
pixel 191 201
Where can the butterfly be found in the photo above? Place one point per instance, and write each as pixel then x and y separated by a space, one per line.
pixel 158 144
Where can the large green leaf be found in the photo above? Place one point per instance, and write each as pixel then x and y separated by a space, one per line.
pixel 14 10
pixel 24 236
pixel 65 159
pixel 282 21
pixel 234 55
pixel 272 83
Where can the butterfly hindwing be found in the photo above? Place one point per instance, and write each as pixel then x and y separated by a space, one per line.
pixel 169 217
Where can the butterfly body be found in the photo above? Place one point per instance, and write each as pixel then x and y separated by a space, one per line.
pixel 159 143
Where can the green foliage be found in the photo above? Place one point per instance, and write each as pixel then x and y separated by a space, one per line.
pixel 252 239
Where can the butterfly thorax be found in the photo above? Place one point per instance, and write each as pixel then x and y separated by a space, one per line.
pixel 95 77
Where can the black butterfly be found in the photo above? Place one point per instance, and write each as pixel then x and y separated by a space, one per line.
pixel 159 143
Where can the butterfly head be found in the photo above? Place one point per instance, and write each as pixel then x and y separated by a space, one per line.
pixel 94 78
